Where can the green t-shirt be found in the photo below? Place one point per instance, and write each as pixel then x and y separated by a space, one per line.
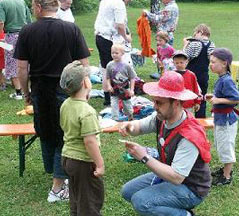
pixel 78 119
pixel 15 14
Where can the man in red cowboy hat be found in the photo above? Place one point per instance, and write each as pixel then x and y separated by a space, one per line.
pixel 180 177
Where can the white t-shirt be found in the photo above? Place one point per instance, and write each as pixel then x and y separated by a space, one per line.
pixel 65 15
pixel 111 12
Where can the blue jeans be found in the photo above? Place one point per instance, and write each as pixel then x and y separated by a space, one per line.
pixel 51 146
pixel 52 160
pixel 159 199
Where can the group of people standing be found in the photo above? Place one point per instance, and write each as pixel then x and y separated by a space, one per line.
pixel 52 56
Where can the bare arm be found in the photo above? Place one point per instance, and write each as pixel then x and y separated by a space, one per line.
pixel 22 69
pixel 92 147
pixel 216 100
pixel 132 84
pixel 109 87
pixel 122 31
pixel 129 128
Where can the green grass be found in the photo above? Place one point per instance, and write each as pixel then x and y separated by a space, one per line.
pixel 27 196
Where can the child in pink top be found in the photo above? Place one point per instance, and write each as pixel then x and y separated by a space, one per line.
pixel 164 53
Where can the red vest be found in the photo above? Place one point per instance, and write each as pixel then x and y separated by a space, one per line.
pixel 192 131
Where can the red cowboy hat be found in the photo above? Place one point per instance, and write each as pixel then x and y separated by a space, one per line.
pixel 170 85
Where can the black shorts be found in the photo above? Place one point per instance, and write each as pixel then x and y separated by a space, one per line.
pixel 104 48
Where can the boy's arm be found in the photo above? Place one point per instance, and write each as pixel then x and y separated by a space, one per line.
pixel 92 147
pixel 109 86
pixel 216 100
pixel 132 84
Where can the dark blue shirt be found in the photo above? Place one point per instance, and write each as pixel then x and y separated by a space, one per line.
pixel 225 88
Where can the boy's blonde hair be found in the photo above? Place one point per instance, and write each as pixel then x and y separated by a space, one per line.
pixel 118 47
pixel 204 29
pixel 163 35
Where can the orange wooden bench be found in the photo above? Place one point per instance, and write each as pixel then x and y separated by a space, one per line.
pixel 20 130
pixel 207 123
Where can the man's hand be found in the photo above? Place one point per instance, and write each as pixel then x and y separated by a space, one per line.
pixel 136 150
pixel 125 128
pixel 28 100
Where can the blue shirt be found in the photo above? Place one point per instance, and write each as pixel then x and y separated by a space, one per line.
pixel 225 88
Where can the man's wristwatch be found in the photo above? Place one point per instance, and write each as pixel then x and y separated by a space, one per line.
pixel 145 159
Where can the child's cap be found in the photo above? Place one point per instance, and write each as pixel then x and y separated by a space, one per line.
pixel 72 76
pixel 223 54
pixel 180 53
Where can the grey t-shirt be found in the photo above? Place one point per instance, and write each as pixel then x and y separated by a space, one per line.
pixel 119 72
pixel 186 153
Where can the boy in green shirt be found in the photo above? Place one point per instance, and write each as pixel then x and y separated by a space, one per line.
pixel 82 160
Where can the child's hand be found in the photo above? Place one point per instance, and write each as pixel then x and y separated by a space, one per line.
pixel 196 107
pixel 111 90
pixel 131 92
pixel 215 100
pixel 99 171
pixel 208 96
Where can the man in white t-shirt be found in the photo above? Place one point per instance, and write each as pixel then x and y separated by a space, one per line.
pixel 110 25
pixel 64 11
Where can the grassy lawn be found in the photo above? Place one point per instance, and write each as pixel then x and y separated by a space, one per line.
pixel 27 196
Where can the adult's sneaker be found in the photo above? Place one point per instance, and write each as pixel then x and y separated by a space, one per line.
pixel 62 195
pixel 16 96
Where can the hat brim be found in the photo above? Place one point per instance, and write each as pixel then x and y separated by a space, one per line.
pixel 153 89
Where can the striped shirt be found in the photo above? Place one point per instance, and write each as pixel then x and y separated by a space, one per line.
pixel 194 48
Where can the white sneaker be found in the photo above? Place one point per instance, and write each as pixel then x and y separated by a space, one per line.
pixel 16 96
pixel 62 195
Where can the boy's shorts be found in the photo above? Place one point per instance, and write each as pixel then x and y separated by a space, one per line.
pixel 224 140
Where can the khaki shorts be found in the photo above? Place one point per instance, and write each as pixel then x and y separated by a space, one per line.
pixel 224 140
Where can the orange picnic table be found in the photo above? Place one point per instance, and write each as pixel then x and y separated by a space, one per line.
pixel 207 123
pixel 21 130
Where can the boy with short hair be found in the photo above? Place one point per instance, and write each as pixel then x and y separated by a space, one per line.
pixel 226 97
pixel 180 60
pixel 198 49
pixel 121 81
pixel 81 157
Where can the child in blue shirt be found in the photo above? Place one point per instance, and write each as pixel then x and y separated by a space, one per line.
pixel 225 98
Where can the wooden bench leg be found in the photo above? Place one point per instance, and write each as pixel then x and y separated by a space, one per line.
pixel 21 155
pixel 23 146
